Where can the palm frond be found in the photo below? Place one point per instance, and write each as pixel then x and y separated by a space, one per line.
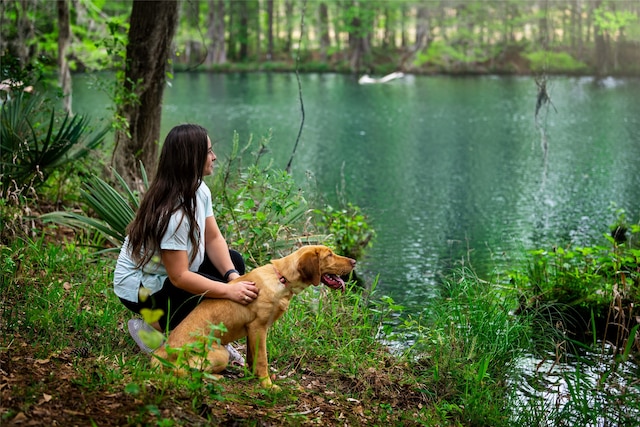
pixel 114 210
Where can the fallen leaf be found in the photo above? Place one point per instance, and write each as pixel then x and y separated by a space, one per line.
pixel 20 418
pixel 47 397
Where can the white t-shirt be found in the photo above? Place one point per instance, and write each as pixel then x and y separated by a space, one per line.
pixel 127 278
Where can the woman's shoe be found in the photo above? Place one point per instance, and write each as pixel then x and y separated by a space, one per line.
pixel 135 327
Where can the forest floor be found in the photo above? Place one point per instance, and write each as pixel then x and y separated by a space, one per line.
pixel 66 397
pixel 80 383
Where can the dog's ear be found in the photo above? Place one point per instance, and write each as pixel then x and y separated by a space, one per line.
pixel 309 267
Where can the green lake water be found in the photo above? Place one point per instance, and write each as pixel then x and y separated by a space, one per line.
pixel 449 170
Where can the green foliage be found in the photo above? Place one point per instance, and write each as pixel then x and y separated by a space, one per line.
pixel 349 231
pixel 34 141
pixel 67 292
pixel 121 90
pixel 612 22
pixel 259 209
pixel 583 277
pixel 114 210
pixel 466 344
pixel 447 55
pixel 554 62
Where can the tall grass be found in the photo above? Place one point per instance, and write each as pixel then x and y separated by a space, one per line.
pixel 588 296
pixel 58 296
pixel 465 344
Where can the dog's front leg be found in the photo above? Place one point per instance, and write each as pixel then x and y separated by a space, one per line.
pixel 257 355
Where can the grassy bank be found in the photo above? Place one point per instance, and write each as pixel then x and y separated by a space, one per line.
pixel 340 359
pixel 67 358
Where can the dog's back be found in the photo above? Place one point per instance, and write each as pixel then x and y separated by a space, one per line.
pixel 272 301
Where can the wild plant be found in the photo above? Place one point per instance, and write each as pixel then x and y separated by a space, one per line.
pixel 465 344
pixel 587 295
pixel 35 140
pixel 349 231
pixel 257 206
pixel 112 210
pixel 598 284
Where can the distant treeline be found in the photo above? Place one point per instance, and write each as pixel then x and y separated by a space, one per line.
pixel 455 36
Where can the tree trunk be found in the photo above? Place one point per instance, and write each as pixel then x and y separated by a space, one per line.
pixel 404 38
pixel 601 46
pixel 64 39
pixel 356 45
pixel 422 36
pixel 216 54
pixel 20 46
pixel 193 47
pixel 243 28
pixel 269 30
pixel 360 30
pixel 151 31
pixel 323 24
pixel 288 7
pixel 232 51
pixel 388 40
pixel 256 25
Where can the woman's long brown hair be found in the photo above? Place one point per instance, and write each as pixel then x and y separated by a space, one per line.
pixel 178 176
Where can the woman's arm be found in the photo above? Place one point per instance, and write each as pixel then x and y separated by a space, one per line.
pixel 217 249
pixel 177 265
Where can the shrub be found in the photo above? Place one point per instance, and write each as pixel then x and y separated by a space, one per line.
pixel 554 61
pixel 35 140
pixel 349 231
pixel 593 287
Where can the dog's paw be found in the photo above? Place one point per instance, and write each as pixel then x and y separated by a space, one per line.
pixel 268 384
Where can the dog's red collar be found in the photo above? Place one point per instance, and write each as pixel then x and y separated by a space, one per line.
pixel 281 278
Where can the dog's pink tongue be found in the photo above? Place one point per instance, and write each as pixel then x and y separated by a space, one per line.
pixel 333 281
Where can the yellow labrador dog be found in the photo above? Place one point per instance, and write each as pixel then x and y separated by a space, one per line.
pixel 278 282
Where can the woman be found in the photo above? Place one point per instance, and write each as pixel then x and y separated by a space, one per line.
pixel 174 254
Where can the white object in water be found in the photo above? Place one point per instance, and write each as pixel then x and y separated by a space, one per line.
pixel 366 79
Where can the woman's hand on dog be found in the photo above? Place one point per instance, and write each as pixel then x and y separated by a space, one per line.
pixel 243 292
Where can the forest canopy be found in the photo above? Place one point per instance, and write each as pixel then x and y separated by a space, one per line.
pixel 600 37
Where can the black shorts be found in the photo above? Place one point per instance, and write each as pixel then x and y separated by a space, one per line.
pixel 177 303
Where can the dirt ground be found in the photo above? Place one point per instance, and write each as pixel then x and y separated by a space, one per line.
pixel 61 393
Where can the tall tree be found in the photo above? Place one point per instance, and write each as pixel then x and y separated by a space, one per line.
pixel 243 30
pixel 64 39
pixel 151 30
pixel 288 16
pixel 269 30
pixel 20 41
pixel 359 16
pixel 422 36
pixel 601 43
pixel 323 24
pixel 216 53
pixel 193 46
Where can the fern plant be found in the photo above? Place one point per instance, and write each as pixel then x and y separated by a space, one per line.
pixel 35 140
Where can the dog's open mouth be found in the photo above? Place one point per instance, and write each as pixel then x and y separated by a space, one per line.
pixel 333 281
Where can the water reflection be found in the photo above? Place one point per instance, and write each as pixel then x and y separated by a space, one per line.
pixel 581 387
